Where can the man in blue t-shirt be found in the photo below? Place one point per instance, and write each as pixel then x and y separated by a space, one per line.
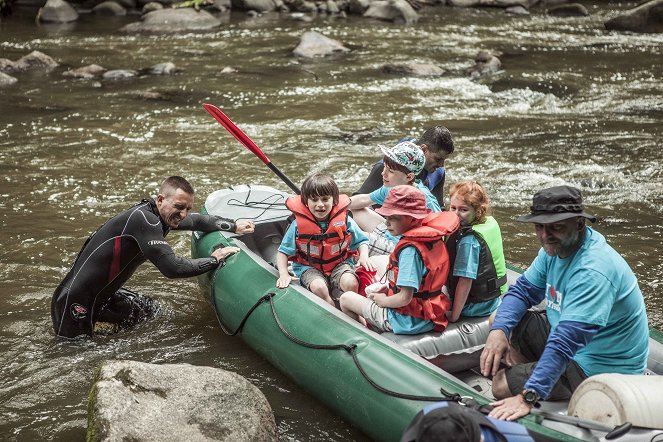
pixel 594 321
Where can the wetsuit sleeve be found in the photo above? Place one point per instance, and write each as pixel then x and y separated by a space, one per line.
pixel 148 233
pixel 373 181
pixel 520 297
pixel 562 345
pixel 206 223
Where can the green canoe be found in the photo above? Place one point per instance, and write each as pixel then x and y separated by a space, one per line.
pixel 376 382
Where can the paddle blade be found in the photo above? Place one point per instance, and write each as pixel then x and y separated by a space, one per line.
pixel 236 132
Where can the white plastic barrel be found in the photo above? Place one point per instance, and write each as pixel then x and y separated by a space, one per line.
pixel 618 398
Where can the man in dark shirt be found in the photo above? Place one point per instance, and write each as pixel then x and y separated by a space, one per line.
pixel 92 290
pixel 437 144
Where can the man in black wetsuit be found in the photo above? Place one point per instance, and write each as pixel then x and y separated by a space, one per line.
pixel 437 144
pixel 92 290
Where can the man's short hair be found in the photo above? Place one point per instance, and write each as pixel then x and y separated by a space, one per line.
pixel 172 183
pixel 437 138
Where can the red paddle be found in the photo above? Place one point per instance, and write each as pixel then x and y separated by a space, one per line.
pixel 248 143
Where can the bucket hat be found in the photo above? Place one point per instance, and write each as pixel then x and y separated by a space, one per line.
pixel 556 204
pixel 407 154
pixel 405 200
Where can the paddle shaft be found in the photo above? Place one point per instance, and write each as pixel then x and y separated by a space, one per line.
pixel 248 143
pixel 613 432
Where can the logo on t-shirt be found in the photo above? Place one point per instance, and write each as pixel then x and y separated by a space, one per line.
pixel 553 298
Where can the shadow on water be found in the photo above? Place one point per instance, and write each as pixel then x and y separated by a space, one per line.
pixel 573 104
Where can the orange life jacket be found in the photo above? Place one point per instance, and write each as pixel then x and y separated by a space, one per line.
pixel 429 302
pixel 320 249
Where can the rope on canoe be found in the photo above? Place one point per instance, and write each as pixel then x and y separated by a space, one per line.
pixel 350 348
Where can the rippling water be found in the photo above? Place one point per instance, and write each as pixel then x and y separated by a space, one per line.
pixel 574 104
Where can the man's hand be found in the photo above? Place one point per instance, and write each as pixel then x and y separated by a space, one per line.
pixel 224 252
pixel 511 408
pixel 242 227
pixel 497 345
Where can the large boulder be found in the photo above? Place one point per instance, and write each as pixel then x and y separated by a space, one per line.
pixel 254 5
pixel 57 11
pixel 647 17
pixel 397 11
pixel 314 44
pixel 174 20
pixel 109 7
pixel 358 6
pixel 147 402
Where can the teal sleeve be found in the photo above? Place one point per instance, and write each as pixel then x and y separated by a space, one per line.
pixel 378 196
pixel 411 268
pixel 288 246
pixel 358 236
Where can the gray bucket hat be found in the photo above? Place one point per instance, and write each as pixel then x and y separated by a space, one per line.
pixel 556 204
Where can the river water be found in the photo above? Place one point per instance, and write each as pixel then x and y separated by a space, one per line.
pixel 574 104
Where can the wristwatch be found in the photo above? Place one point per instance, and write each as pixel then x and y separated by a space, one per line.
pixel 531 397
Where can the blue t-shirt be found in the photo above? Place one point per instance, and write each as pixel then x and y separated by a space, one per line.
pixel 411 271
pixel 289 248
pixel 378 196
pixel 596 286
pixel 467 266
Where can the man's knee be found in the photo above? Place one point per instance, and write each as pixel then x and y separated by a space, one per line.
pixel 500 385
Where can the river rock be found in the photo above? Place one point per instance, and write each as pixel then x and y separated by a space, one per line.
pixel 89 71
pixel 6 80
pixel 119 74
pixel 163 69
pixel 109 7
pixel 646 18
pixel 569 10
pixel 488 3
pixel 516 10
pixel 358 6
pixel 151 6
pixel 486 63
pixel 135 401
pixel 397 11
pixel 254 5
pixel 57 11
pixel 314 44
pixel 413 69
pixel 174 20
pixel 332 7
pixel 34 61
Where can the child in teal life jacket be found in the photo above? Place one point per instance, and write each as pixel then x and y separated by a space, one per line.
pixel 322 241
pixel 479 270
pixel 402 164
pixel 412 300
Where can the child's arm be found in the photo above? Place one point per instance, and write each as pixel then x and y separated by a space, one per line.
pixel 360 201
pixel 400 299
pixel 460 296
pixel 282 266
pixel 364 260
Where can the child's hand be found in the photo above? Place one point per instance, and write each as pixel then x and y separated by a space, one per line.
pixel 379 298
pixel 366 263
pixel 284 281
pixel 376 287
pixel 243 227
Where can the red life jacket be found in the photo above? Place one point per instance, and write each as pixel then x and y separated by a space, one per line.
pixel 429 302
pixel 320 249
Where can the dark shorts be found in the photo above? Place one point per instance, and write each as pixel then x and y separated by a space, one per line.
pixel 529 338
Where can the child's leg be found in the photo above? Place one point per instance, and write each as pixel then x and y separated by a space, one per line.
pixel 352 304
pixel 316 282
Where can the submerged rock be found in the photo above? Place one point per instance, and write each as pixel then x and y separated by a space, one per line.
pixel 174 20
pixel 486 63
pixel 314 44
pixel 6 80
pixel 34 61
pixel 109 7
pixel 488 3
pixel 148 402
pixel 646 18
pixel 254 5
pixel 120 74
pixel 163 69
pixel 413 69
pixel 89 71
pixel 569 10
